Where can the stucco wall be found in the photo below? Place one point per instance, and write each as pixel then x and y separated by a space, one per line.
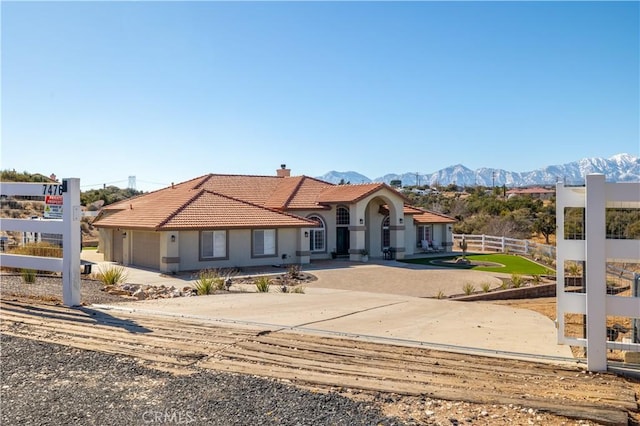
pixel 238 250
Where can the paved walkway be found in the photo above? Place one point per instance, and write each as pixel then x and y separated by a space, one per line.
pixel 372 301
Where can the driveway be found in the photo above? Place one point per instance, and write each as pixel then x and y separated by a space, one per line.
pixel 399 278
pixel 383 300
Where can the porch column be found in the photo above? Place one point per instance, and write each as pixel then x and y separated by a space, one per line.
pixel 397 236
pixel 170 252
pixel 357 231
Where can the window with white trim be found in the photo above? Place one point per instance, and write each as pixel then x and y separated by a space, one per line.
pixel 317 235
pixel 213 244
pixel 264 242
pixel 342 216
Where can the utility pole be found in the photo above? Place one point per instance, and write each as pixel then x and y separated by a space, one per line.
pixel 493 178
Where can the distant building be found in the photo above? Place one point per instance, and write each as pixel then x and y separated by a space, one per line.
pixel 538 193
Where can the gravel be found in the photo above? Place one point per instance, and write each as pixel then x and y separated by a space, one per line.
pixel 49 287
pixel 49 384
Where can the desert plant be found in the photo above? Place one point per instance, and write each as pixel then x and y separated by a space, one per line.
pixel 485 287
pixel 263 284
pixel 536 279
pixel 208 282
pixel 516 280
pixel 468 288
pixel 293 271
pixel 297 289
pixel 463 246
pixel 28 276
pixel 112 274
pixel 504 285
pixel 440 294
pixel 574 269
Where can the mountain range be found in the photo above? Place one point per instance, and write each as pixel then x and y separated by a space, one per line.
pixel 619 168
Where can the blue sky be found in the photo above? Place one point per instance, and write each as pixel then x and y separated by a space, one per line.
pixel 167 91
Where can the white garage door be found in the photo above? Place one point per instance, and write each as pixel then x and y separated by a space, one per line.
pixel 146 249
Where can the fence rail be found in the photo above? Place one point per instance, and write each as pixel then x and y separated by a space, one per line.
pixel 504 245
pixel 68 226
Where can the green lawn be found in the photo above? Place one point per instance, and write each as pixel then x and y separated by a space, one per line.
pixel 511 264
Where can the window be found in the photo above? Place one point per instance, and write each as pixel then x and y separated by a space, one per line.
pixel 342 216
pixel 424 234
pixel 317 235
pixel 386 233
pixel 264 242
pixel 213 244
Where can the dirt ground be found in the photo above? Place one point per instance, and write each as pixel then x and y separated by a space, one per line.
pixel 573 322
pixel 418 385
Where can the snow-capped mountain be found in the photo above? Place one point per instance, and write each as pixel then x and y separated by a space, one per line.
pixel 346 177
pixel 619 168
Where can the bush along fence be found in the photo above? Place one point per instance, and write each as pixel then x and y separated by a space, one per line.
pixel 504 245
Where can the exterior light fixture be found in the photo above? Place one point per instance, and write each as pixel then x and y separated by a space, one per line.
pixel 361 221
pixel 124 235
pixel 401 220
pixel 306 234
pixel 173 238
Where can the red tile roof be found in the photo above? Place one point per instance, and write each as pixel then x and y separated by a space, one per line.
pixel 426 216
pixel 351 193
pixel 232 201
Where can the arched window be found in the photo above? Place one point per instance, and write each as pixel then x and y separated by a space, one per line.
pixel 317 236
pixel 342 216
pixel 386 233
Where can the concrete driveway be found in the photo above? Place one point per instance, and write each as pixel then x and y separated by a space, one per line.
pixel 383 301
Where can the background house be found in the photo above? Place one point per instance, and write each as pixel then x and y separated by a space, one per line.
pixel 217 221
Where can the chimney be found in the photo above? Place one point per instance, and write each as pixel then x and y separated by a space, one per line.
pixel 283 171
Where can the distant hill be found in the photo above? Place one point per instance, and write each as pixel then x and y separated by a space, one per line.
pixel 619 168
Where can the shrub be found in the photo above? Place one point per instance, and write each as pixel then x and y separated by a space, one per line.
pixel 38 249
pixel 504 285
pixel 297 289
pixel 468 288
pixel 486 287
pixel 440 294
pixel 516 280
pixel 111 275
pixel 28 276
pixel 574 269
pixel 536 279
pixel 263 284
pixel 208 282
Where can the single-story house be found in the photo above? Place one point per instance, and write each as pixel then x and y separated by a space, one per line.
pixel 220 221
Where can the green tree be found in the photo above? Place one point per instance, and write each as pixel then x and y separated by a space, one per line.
pixel 545 223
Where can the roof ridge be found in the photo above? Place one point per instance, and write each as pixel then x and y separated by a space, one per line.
pixel 320 180
pixel 294 191
pixel 184 205
pixel 253 204
pixel 433 212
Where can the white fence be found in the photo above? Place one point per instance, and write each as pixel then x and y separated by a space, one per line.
pixel 68 226
pixel 504 245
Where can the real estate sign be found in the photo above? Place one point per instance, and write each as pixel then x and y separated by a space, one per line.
pixel 53 206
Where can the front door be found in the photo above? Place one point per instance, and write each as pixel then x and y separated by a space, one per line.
pixel 342 240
